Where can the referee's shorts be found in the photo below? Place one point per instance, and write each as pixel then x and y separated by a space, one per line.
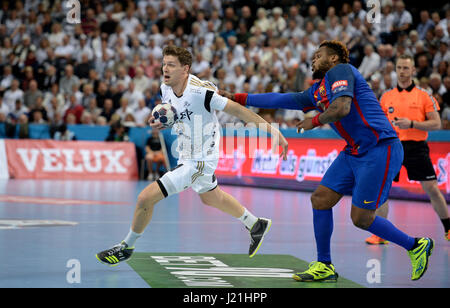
pixel 417 161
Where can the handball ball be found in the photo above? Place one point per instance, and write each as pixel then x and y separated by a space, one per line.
pixel 165 114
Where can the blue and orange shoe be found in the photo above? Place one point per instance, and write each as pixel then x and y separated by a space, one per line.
pixel 376 240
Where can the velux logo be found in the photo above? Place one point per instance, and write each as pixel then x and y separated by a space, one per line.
pixel 69 160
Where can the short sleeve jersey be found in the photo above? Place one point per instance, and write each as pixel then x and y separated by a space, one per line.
pixel 413 103
pixel 198 129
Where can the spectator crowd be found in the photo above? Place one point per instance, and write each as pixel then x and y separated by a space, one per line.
pixel 108 67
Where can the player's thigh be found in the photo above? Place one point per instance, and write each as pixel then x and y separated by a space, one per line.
pixel 151 194
pixel 374 173
pixel 177 179
pixel 204 180
pixel 337 181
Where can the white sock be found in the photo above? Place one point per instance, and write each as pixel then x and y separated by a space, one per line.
pixel 131 238
pixel 248 219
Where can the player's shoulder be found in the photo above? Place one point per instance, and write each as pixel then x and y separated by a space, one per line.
pixel 341 72
pixel 196 84
pixel 341 68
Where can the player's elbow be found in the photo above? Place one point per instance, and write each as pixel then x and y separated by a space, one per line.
pixel 343 112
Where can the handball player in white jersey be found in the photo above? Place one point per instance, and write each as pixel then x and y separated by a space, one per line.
pixel 198 136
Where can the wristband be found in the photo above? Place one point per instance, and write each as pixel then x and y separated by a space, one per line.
pixel 241 98
pixel 315 121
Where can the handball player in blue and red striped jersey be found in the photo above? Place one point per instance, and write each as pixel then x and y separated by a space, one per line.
pixel 365 168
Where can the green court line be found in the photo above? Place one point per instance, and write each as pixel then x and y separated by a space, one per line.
pixel 202 270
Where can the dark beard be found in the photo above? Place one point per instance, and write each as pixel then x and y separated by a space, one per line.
pixel 321 70
pixel 318 75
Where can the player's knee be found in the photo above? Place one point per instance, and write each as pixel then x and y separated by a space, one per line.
pixel 149 196
pixel 319 201
pixel 362 221
pixel 212 198
pixel 432 190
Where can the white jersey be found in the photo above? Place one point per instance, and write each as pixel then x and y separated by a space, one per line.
pixel 197 128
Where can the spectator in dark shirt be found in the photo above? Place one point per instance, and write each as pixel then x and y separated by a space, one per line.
pixel 153 155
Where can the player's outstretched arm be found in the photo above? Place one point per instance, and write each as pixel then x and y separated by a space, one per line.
pixel 295 101
pixel 249 116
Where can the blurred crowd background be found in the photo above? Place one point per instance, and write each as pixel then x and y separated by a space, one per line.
pixel 107 69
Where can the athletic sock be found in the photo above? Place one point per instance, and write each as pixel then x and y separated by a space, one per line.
pixel 131 238
pixel 323 228
pixel 446 224
pixel 385 229
pixel 248 219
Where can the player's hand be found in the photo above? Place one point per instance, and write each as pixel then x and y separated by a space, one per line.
pixel 226 94
pixel 306 124
pixel 402 123
pixel 153 124
pixel 284 145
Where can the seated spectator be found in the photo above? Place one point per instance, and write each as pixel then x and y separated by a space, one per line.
pixel 74 109
pixel 108 110
pixel 118 132
pixel 124 109
pixel 68 80
pixel 370 62
pixel 153 155
pixel 38 105
pixel 142 113
pixel 19 109
pixel 13 94
pixel 30 96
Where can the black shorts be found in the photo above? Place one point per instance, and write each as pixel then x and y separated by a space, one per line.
pixel 417 161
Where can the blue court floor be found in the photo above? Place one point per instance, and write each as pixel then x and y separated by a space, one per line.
pixel 48 228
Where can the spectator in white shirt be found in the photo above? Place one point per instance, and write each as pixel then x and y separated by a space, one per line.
pixel 278 23
pixel 370 62
pixel 4 109
pixel 141 82
pixel 133 96
pixel 124 109
pixel 130 22
pixel 357 12
pixel 84 48
pixel 443 53
pixel 8 77
pixel 13 94
pixel 402 18
pixel 199 65
pixel 66 50
pixel 142 113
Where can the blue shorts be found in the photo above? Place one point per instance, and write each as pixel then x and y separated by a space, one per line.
pixel 368 177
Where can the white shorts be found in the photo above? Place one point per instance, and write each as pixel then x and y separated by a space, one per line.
pixel 196 174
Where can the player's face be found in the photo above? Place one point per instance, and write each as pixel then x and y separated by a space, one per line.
pixel 173 72
pixel 320 63
pixel 404 69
